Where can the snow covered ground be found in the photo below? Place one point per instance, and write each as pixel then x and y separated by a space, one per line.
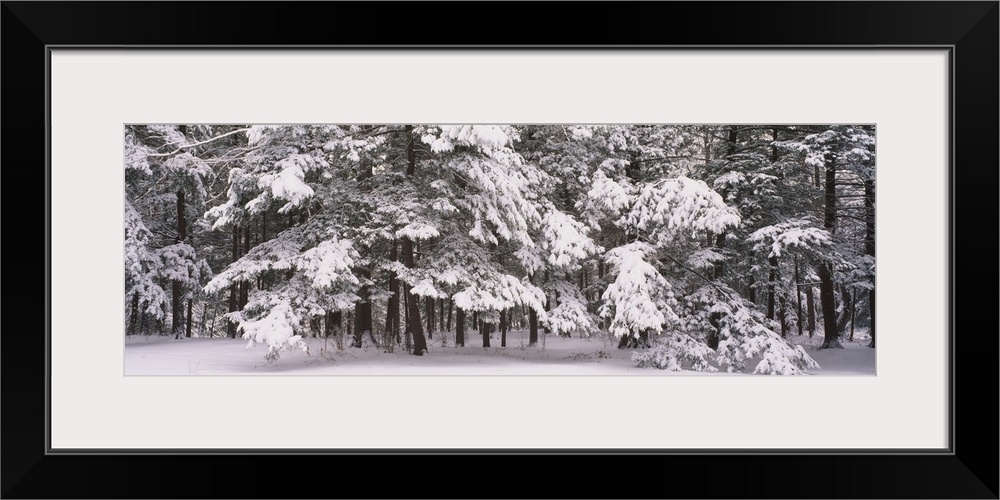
pixel 559 356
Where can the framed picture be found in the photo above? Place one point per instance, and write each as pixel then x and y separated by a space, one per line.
pixel 918 79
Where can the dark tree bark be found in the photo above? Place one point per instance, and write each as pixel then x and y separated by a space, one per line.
pixel 190 305
pixel 811 309
pixel 870 249
pixel 548 306
pixel 234 288
pixel 451 306
pixel 460 327
pixel 133 318
pixel 485 330
pixel 429 307
pixel 798 297
pixel 334 323
pixel 503 328
pixel 781 316
pixel 176 293
pixel 362 310
pixel 845 315
pixel 831 337
pixel 773 263
pixel 204 319
pixel 854 301
pixel 392 309
pixel 413 326
pixel 532 327
pixel 245 286
pixel 263 238
pixel 828 306
pixel 440 307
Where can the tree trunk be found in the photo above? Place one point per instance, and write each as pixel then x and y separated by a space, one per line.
pixel 440 307
pixel 451 306
pixel 503 328
pixel 532 326
pixel 204 317
pixel 234 288
pixel 133 318
pixel 781 316
pixel 811 309
pixel 263 238
pixel 215 314
pixel 831 337
pixel 429 307
pixel 460 327
pixel 362 310
pixel 177 314
pixel 413 326
pixel 798 297
pixel 245 286
pixel 548 306
pixel 854 300
pixel 485 330
pixel 392 308
pixel 845 316
pixel 773 263
pixel 187 332
pixel 827 304
pixel 870 249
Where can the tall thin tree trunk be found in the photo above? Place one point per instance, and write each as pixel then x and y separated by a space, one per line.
pixel 362 310
pixel 204 317
pixel 234 288
pixel 485 330
pixel 187 332
pixel 245 287
pixel 854 301
pixel 533 317
pixel 828 306
pixel 177 314
pixel 392 309
pixel 845 317
pixel 451 306
pixel 773 263
pixel 412 312
pixel 429 307
pixel 133 318
pixel 798 297
pixel 440 306
pixel 831 337
pixel 263 238
pixel 460 327
pixel 532 326
pixel 870 249
pixel 781 316
pixel 811 309
pixel 215 314
pixel 503 328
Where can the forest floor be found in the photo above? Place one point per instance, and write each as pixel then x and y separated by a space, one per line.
pixel 163 355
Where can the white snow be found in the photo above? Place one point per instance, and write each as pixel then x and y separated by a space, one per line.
pixel 597 355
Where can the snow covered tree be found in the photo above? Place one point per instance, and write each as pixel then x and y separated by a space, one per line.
pixel 165 180
pixel 693 245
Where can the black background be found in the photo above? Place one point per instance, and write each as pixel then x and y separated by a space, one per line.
pixel 972 472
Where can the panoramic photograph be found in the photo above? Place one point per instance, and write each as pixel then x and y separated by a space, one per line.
pixel 491 249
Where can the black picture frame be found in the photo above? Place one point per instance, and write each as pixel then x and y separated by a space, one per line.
pixel 967 470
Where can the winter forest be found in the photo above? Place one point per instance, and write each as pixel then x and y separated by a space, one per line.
pixel 499 249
